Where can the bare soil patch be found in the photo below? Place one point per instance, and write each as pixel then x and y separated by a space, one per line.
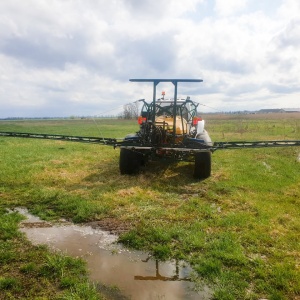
pixel 112 225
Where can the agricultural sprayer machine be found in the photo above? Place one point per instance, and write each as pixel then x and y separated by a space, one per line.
pixel 170 129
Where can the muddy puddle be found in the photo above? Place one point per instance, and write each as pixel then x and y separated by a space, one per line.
pixel 135 274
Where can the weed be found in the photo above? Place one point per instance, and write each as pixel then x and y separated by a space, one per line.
pixel 209 268
pixel 8 283
pixel 161 252
pixel 58 265
pixel 83 291
pixel 67 282
pixel 9 226
pixel 132 239
pixel 28 268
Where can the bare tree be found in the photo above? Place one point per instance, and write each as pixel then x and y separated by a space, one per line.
pixel 131 110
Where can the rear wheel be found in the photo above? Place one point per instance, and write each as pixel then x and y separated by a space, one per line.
pixel 202 165
pixel 130 161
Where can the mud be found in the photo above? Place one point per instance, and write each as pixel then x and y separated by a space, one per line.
pixel 110 225
pixel 135 274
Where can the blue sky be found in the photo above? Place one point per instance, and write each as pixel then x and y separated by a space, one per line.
pixel 75 57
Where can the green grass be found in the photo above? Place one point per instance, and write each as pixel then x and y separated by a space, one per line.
pixel 78 127
pixel 279 126
pixel 239 228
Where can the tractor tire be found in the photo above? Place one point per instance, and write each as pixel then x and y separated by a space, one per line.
pixel 130 161
pixel 202 165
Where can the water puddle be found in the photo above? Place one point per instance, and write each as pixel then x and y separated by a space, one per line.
pixel 135 273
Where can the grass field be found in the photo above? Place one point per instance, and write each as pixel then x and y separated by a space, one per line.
pixel 239 228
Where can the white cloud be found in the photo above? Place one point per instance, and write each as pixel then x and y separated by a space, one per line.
pixel 289 9
pixel 229 7
pixel 75 57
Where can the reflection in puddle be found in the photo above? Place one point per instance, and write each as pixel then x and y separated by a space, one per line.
pixel 137 275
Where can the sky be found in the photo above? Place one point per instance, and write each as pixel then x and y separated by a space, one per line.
pixel 61 58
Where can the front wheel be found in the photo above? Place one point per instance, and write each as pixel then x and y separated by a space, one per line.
pixel 202 165
pixel 130 161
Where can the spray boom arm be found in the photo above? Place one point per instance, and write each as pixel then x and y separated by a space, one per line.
pixel 119 142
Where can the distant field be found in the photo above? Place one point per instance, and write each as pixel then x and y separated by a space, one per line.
pixel 239 228
pixel 279 126
pixel 221 126
pixel 115 128
pixel 257 116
